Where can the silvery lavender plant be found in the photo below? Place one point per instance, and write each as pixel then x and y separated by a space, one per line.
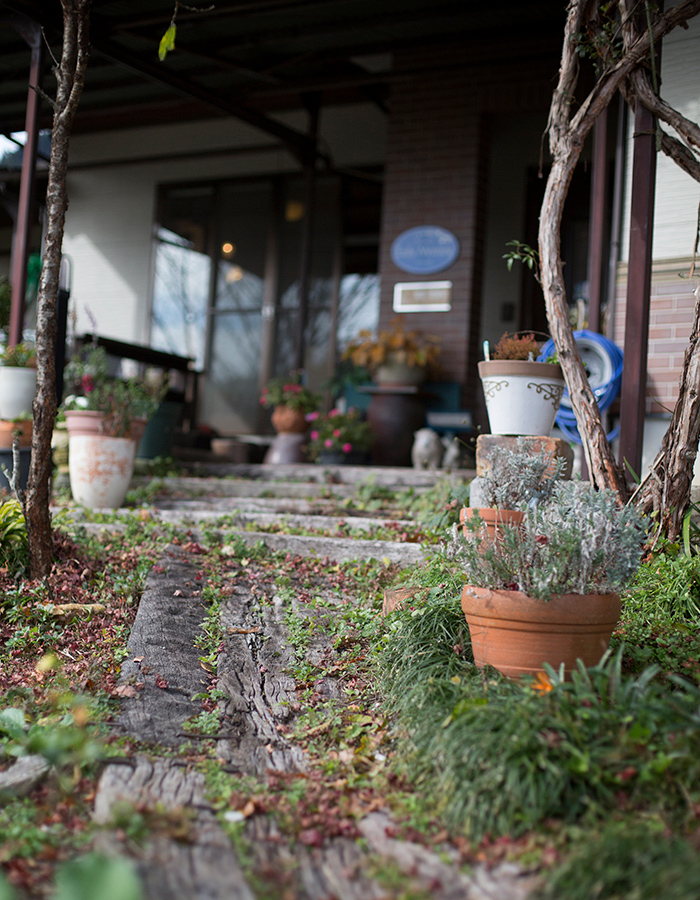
pixel 519 478
pixel 581 542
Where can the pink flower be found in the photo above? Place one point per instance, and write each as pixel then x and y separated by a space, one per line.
pixel 336 432
pixel 333 412
pixel 292 388
pixel 347 448
pixel 87 383
pixel 314 435
pixel 312 416
pixel 328 442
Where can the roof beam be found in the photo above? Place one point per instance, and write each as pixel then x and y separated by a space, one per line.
pixel 302 146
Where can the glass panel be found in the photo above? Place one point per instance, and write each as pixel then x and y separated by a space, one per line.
pixel 182 267
pixel 359 306
pixel 242 229
pixel 231 400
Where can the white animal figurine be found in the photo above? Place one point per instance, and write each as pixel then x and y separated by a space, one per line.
pixel 427 449
pixel 451 459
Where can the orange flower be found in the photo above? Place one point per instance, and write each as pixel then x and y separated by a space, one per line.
pixel 542 683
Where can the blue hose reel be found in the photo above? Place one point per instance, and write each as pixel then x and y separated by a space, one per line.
pixel 603 359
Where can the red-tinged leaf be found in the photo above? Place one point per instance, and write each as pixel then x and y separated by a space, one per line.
pixel 161 682
pixel 312 837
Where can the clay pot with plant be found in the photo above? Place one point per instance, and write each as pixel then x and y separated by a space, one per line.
pixel 522 393
pixel 394 356
pixel 105 416
pixel 290 402
pixel 516 480
pixel 548 590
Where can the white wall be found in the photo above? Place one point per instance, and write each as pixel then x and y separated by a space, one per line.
pixel 111 206
pixel 677 194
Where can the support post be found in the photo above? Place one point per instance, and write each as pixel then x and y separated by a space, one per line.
pixel 31 32
pixel 634 375
pixel 313 105
pixel 598 226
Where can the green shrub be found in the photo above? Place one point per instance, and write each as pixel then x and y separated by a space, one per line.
pixel 666 588
pixel 14 546
pixel 502 757
pixel 635 862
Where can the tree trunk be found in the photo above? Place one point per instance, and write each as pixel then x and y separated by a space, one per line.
pixel 70 75
pixel 603 469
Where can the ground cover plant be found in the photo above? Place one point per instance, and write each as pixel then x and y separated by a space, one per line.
pixel 61 642
pixel 465 761
pixel 584 764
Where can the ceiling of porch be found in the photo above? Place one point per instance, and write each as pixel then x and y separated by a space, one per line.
pixel 250 58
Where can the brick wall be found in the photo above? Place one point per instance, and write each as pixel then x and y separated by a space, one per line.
pixel 670 322
pixel 436 174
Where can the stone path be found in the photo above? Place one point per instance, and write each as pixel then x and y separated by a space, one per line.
pixel 163 672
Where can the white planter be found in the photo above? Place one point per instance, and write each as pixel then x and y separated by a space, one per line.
pixel 521 397
pixel 399 373
pixel 100 468
pixel 17 389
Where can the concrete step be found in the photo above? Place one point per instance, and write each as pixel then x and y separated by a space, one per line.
pixel 388 476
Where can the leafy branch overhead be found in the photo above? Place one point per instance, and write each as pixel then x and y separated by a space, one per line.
pixel 167 42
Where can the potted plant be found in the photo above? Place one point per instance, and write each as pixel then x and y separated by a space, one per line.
pixel 516 480
pixel 290 402
pixel 17 380
pixel 105 417
pixel 548 591
pixel 338 437
pixel 394 355
pixel 21 428
pixel 522 394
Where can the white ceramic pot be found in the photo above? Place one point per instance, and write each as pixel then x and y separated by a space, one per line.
pixel 17 389
pixel 393 373
pixel 100 468
pixel 521 397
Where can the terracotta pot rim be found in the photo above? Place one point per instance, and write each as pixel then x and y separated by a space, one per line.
pixel 516 606
pixel 500 513
pixel 527 368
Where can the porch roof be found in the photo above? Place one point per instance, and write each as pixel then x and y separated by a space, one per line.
pixel 250 58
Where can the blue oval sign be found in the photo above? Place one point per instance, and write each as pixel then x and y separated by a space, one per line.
pixel 425 250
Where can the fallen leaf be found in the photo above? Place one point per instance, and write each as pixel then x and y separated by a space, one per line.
pixel 124 690
pixel 312 837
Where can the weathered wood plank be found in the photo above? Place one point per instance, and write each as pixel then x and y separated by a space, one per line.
pixel 253 672
pixel 198 865
pixel 162 661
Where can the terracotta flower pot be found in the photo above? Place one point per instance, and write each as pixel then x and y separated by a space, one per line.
pixel 493 519
pixel 289 421
pixel 100 465
pixel 516 634
pixel 8 430
pixel 521 397
pixel 90 421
